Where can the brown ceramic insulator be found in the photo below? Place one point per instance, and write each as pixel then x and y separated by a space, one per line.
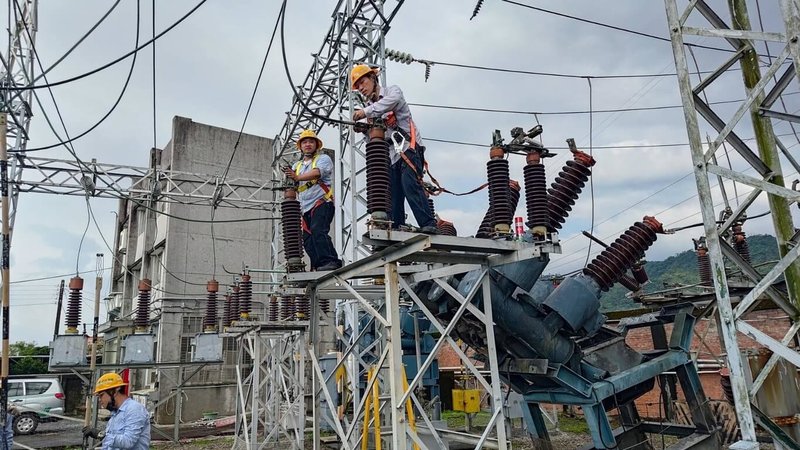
pixel 565 188
pixel 485 230
pixel 210 319
pixel 226 311
pixel 740 242
pixel 286 307
pixel 245 297
pixel 639 274
pixel 142 320
pixel 325 305
pixel 273 309
pixel 610 265
pixel 629 283
pixel 235 303
pixel 446 228
pixel 499 201
pixel 292 231
pixel 704 266
pixel 378 195
pixel 535 194
pixel 302 307
pixel 73 313
pixel 431 206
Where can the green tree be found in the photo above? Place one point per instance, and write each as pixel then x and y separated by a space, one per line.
pixel 23 358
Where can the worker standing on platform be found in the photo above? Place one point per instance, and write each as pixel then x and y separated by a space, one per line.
pixel 405 146
pixel 129 426
pixel 315 172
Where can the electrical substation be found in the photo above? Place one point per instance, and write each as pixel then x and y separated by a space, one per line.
pixel 351 358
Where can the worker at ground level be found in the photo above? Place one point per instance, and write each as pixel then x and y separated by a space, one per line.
pixel 314 173
pixel 129 426
pixel 405 180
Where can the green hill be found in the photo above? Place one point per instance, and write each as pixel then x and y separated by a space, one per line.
pixel 682 269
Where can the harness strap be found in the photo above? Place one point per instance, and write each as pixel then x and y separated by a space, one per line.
pixel 309 184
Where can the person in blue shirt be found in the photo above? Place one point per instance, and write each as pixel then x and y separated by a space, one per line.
pixel 129 426
pixel 315 174
pixel 8 431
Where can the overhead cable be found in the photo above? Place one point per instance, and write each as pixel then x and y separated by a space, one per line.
pixel 107 65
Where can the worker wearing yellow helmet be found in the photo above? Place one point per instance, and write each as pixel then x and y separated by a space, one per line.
pixel 129 426
pixel 406 151
pixel 314 172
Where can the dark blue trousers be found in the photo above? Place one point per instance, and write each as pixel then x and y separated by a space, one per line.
pixel 318 244
pixel 405 187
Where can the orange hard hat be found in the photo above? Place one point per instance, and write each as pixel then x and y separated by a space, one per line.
pixel 359 71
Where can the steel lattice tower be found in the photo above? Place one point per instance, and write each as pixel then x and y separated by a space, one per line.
pixel 17 71
pixel 762 93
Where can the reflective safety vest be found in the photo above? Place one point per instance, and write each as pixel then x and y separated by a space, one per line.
pixel 308 184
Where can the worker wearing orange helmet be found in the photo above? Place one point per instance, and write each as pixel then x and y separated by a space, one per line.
pixel 129 426
pixel 315 172
pixel 405 146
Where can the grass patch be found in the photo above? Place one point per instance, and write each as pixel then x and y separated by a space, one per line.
pixel 457 419
pixel 572 424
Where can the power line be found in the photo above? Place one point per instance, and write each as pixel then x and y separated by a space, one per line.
pixel 113 107
pixel 614 27
pixel 255 90
pixel 106 66
pixel 567 112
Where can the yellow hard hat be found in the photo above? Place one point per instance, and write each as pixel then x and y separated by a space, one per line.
pixel 359 71
pixel 309 134
pixel 108 381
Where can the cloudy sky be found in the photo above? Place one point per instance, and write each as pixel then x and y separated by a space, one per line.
pixel 207 66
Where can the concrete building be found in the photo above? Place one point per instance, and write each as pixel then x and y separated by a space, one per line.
pixel 181 252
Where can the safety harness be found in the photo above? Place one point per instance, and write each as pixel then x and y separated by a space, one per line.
pixel 328 196
pixel 431 189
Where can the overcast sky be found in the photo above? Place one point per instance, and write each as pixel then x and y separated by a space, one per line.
pixel 207 66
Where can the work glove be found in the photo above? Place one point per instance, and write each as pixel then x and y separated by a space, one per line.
pixel 89 432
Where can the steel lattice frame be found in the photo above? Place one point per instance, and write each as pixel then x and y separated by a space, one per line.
pixel 270 378
pixel 381 303
pixel 68 177
pixel 761 96
pixel 17 71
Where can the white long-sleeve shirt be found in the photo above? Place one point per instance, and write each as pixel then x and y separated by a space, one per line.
pixel 391 100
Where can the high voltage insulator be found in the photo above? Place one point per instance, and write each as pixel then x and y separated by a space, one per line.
pixel 210 319
pixel 703 261
pixel 292 232
pixel 568 184
pixel 623 253
pixel 536 194
pixel 325 305
pixel 378 195
pixel 499 201
pixel 245 297
pixel 486 230
pixel 401 57
pixel 740 242
pixel 226 311
pixel 302 307
pixel 274 312
pixel 235 303
pixel 73 316
pixel 477 9
pixel 142 319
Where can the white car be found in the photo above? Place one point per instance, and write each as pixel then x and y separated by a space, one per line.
pixel 34 399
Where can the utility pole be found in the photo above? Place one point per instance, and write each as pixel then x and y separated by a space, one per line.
pixel 58 308
pixel 5 270
pixel 98 286
pixel 767 150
